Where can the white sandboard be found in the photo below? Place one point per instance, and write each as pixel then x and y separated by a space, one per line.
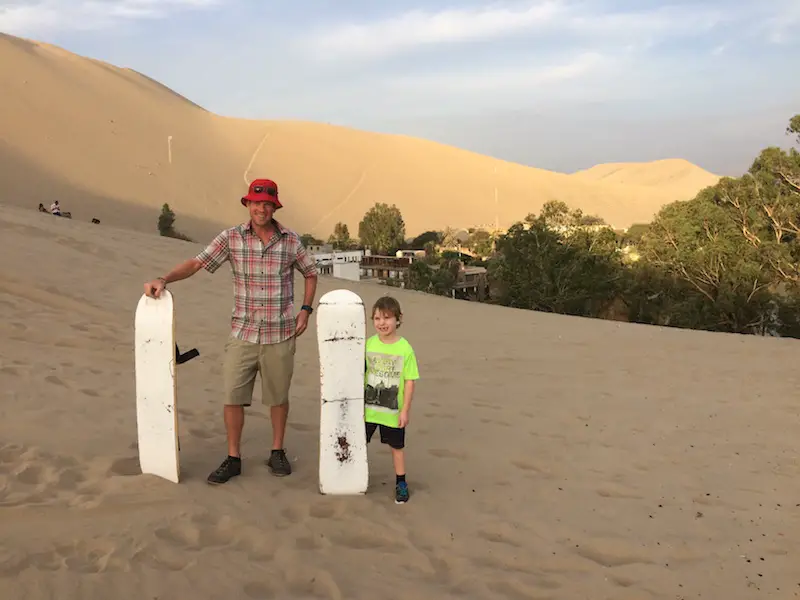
pixel 156 393
pixel 341 331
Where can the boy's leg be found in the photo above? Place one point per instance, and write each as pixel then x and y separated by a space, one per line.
pixel 396 440
pixel 370 429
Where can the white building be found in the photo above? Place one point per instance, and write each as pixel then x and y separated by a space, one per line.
pixel 344 265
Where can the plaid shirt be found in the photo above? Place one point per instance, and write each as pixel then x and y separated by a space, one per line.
pixel 263 280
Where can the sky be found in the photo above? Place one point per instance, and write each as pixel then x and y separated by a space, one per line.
pixel 555 84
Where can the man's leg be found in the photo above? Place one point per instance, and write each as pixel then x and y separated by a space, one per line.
pixel 279 415
pixel 234 424
pixel 277 369
pixel 239 369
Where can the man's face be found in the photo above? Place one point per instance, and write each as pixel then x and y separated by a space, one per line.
pixel 261 212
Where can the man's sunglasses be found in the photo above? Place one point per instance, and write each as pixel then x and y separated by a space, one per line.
pixel 260 189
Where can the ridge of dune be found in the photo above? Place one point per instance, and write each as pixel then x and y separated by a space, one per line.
pixel 676 174
pixel 98 137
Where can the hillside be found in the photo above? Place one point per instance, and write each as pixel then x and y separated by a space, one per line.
pixel 678 176
pixel 95 135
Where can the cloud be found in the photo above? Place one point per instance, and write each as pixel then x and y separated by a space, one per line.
pixel 418 28
pixel 517 78
pixel 554 21
pixel 32 17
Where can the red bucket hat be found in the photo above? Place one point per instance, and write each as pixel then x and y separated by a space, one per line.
pixel 263 190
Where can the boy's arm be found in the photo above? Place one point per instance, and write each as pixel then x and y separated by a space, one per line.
pixel 408 395
pixel 411 376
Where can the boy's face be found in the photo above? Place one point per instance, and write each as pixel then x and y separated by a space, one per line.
pixel 385 323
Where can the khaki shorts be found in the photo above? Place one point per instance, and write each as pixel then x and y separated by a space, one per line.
pixel 243 360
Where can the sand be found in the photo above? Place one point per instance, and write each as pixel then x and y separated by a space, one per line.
pixel 97 137
pixel 549 456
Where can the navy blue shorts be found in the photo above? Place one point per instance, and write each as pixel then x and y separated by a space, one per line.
pixel 391 436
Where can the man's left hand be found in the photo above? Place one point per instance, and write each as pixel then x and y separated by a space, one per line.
pixel 302 323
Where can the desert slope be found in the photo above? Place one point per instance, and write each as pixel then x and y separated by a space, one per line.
pixel 679 176
pixel 605 460
pixel 95 135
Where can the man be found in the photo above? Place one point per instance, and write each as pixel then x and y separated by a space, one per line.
pixel 263 254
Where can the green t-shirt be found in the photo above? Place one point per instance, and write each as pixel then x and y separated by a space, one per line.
pixel 388 368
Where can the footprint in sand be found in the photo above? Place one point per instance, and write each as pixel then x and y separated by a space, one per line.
pixel 203 434
pixel 612 553
pixel 55 380
pixel 365 540
pixel 445 453
pixel 31 475
pixel 12 562
pixel 326 510
pixel 91 393
pixel 611 492
pixel 319 584
pixel 258 590
pixel 162 558
pixel 201 531
pixel 498 537
pixel 13 371
pixel 257 546
pixel 308 542
pixel 300 426
pixel 513 590
pixel 526 466
pixel 126 467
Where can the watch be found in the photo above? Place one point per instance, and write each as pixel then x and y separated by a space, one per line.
pixel 307 308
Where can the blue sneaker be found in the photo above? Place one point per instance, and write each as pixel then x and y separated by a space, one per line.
pixel 401 493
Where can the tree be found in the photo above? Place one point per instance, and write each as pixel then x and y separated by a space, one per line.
pixel 540 268
pixel 340 238
pixel 166 225
pixel 794 127
pixel 382 229
pixel 480 242
pixel 307 240
pixel 422 240
pixel 166 221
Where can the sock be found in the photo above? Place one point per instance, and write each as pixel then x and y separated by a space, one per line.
pixel 400 478
pixel 234 457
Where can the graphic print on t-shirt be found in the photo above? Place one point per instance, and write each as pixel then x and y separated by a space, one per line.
pixel 383 381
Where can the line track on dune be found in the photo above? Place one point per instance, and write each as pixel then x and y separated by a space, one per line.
pixel 346 199
pixel 253 158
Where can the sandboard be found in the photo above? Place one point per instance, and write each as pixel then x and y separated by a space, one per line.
pixel 156 388
pixel 341 331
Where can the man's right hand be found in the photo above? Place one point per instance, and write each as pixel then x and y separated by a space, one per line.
pixel 154 288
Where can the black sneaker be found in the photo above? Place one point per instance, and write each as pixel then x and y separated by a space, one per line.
pixel 230 467
pixel 401 493
pixel 278 463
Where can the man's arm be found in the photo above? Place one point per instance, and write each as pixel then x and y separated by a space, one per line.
pixel 211 258
pixel 310 289
pixel 306 264
pixel 184 270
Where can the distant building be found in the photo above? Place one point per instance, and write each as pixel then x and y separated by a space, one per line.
pixel 340 264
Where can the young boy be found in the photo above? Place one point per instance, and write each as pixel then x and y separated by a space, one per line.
pixel 391 372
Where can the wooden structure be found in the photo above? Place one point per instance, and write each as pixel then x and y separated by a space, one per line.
pixel 472 283
pixel 386 268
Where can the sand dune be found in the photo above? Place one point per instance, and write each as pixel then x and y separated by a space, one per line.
pixel 554 459
pixel 96 136
pixel 678 176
